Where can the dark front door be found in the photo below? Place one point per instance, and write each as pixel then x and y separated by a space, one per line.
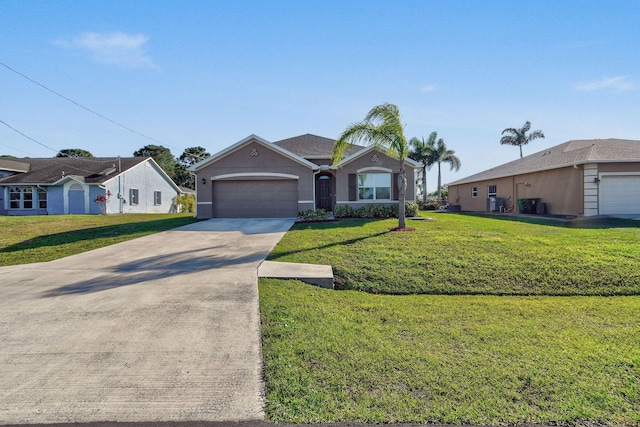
pixel 324 197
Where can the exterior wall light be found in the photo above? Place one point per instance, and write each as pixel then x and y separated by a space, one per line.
pixel 204 181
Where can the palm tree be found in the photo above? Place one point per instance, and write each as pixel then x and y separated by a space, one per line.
pixel 422 152
pixel 519 137
pixel 383 128
pixel 441 155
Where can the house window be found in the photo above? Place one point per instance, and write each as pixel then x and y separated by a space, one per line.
pixel 42 198
pixel 374 186
pixel 22 198
pixel 474 192
pixel 493 191
pixel 157 198
pixel 134 196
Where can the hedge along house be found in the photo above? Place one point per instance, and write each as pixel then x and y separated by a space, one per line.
pixel 254 178
pixel 63 185
pixel 581 178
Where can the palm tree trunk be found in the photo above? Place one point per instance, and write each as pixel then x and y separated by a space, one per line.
pixel 402 194
pixel 439 185
pixel 520 145
pixel 424 184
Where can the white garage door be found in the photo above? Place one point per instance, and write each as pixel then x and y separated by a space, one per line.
pixel 619 194
pixel 255 199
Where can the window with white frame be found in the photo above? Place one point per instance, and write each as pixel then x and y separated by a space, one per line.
pixel 134 196
pixel 24 197
pixel 493 191
pixel 42 198
pixel 374 186
pixel 474 192
pixel 157 198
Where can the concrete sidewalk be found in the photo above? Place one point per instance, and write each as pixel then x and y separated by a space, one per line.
pixel 161 328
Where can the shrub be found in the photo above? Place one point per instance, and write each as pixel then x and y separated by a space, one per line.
pixel 374 211
pixel 431 205
pixel 343 211
pixel 314 215
pixel 185 203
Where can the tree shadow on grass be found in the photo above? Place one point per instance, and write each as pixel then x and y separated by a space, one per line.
pixel 562 221
pixel 133 230
pixel 341 224
pixel 153 269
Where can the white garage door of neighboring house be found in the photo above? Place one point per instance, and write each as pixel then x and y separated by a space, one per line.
pixel 255 199
pixel 619 194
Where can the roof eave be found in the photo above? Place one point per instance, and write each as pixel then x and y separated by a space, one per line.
pixel 231 149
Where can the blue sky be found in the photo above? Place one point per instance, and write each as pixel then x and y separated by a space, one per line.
pixel 209 73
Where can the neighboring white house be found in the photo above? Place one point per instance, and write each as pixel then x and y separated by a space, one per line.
pixel 64 185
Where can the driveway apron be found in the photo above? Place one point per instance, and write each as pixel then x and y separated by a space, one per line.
pixel 164 327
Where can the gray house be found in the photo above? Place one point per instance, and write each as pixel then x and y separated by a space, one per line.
pixel 84 185
pixel 257 178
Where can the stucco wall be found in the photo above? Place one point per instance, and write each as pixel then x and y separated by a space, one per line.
pixel 147 178
pixel 560 189
pixel 255 158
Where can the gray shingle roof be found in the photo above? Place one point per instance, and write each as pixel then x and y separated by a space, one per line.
pixel 13 165
pixel 313 146
pixel 92 170
pixel 568 154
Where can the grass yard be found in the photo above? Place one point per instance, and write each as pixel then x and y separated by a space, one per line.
pixel 516 354
pixel 26 239
pixel 464 254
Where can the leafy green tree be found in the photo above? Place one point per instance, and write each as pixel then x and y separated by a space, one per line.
pixel 382 127
pixel 7 156
pixel 444 155
pixel 74 152
pixel 423 151
pixel 161 155
pixel 519 137
pixel 193 155
pixel 189 157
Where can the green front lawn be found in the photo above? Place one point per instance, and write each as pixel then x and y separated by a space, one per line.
pixel 463 254
pixel 26 239
pixel 350 356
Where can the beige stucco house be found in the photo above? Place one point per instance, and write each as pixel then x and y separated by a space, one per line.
pixel 581 178
pixel 255 178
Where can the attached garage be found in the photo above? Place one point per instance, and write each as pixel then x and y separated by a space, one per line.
pixel 619 194
pixel 272 198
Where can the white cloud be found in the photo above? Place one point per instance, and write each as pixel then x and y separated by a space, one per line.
pixel 117 48
pixel 619 83
pixel 428 88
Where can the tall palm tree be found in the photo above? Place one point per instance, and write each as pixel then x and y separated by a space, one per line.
pixel 383 128
pixel 519 137
pixel 444 155
pixel 423 151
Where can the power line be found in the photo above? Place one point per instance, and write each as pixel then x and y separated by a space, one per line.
pixel 81 106
pixel 28 137
pixel 86 159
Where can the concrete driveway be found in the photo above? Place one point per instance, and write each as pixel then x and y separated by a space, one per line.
pixel 165 327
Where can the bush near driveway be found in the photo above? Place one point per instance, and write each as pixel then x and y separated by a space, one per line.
pixel 463 254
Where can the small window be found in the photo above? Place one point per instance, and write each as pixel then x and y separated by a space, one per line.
pixel 157 198
pixel 42 198
pixel 134 196
pixel 15 196
pixel 493 190
pixel 474 192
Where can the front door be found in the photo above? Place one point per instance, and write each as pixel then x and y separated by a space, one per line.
pixel 324 196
